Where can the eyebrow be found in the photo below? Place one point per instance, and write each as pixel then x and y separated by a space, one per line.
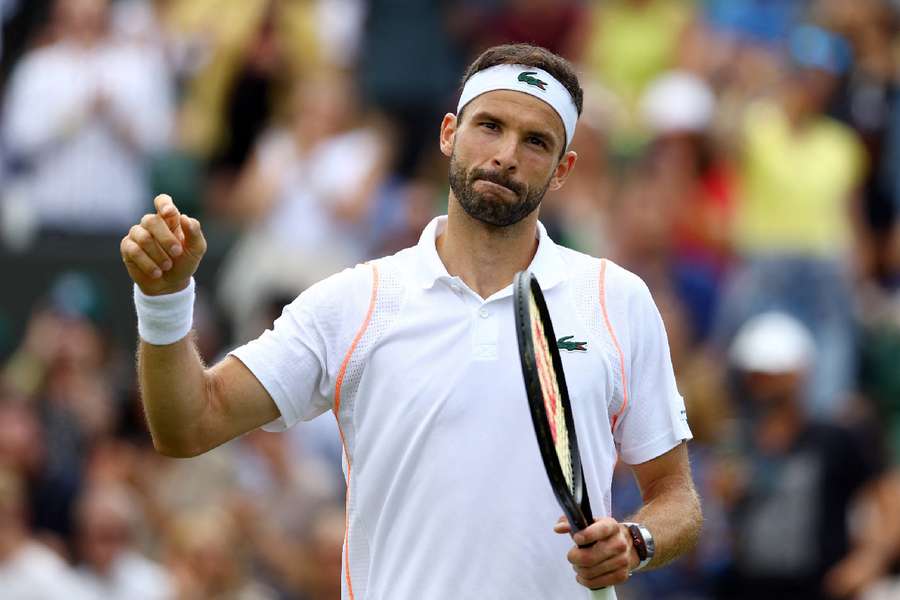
pixel 546 135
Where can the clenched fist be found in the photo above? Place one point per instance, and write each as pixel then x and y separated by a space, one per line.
pixel 162 252
pixel 604 555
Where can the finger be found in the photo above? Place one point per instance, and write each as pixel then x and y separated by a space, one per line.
pixel 581 558
pixel 165 207
pixel 562 527
pixel 596 531
pixel 614 578
pixel 144 239
pixel 588 556
pixel 194 242
pixel 163 235
pixel 609 566
pixel 132 254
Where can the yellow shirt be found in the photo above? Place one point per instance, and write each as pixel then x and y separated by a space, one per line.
pixel 795 184
pixel 632 44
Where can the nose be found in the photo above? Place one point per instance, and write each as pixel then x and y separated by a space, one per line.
pixel 505 154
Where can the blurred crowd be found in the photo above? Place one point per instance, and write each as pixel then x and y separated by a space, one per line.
pixel 741 156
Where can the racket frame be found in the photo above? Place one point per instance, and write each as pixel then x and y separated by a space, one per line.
pixel 575 503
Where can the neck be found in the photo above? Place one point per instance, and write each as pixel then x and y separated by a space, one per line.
pixel 485 257
pixel 11 540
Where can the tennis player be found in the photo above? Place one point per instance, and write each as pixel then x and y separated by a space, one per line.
pixel 416 356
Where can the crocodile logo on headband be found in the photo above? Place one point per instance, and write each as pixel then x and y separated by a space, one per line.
pixel 526 77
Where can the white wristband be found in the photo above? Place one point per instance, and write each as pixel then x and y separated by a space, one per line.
pixel 167 318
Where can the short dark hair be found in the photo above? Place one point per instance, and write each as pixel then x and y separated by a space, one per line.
pixel 530 56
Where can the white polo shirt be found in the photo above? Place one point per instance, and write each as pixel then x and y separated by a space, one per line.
pixel 447 494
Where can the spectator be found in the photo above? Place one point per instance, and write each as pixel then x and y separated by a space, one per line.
pixel 58 370
pixel 797 480
pixel 28 569
pixel 207 559
pixel 800 172
pixel 306 196
pixel 679 108
pixel 247 56
pixel 866 100
pixel 84 114
pixel 283 493
pixel 628 44
pixel 110 566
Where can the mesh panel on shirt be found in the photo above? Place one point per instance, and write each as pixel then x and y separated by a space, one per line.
pixel 588 307
pixel 385 310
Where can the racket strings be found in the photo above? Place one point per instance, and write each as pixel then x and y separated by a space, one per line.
pixel 552 400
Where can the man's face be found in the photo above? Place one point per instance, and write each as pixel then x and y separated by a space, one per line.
pixel 770 391
pixel 812 89
pixel 82 18
pixel 504 155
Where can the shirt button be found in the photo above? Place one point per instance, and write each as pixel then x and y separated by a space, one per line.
pixel 455 287
pixel 483 313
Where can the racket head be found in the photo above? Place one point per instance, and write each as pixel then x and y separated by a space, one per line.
pixel 548 400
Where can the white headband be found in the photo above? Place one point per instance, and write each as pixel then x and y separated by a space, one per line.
pixel 530 80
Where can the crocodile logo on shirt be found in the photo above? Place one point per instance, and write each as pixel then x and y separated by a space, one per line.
pixel 526 77
pixel 564 343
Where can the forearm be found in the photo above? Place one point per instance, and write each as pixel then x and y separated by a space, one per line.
pixel 190 409
pixel 671 512
pixel 175 394
pixel 879 533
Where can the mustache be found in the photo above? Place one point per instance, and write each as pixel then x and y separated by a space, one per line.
pixel 498 178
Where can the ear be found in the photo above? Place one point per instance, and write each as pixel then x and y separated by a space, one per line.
pixel 448 133
pixel 563 169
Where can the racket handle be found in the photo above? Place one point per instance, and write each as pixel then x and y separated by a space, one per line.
pixel 606 593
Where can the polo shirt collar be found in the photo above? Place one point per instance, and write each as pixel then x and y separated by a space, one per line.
pixel 547 265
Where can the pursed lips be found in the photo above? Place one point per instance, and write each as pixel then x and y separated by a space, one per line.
pixel 496 186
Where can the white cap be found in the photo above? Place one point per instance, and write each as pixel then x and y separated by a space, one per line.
pixel 772 342
pixel 678 101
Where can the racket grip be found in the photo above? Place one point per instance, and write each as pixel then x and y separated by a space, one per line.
pixel 606 593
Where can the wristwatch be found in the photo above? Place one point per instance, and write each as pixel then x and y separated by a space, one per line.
pixel 643 544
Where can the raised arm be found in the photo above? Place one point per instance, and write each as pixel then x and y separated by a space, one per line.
pixel 190 408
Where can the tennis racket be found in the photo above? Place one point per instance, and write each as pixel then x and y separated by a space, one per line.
pixel 548 402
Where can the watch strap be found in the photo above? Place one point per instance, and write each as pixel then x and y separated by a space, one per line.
pixel 643 543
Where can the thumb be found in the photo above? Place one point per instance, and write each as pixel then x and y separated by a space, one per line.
pixel 194 242
pixel 562 525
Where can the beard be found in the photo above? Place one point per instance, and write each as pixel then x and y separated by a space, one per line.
pixel 493 211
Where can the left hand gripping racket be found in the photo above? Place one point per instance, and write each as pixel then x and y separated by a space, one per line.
pixel 548 402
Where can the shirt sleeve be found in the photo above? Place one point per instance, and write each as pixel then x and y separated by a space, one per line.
pixel 654 419
pixel 296 361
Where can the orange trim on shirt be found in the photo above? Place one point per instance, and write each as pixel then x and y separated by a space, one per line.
pixel 612 334
pixel 337 407
pixel 359 334
pixel 346 511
